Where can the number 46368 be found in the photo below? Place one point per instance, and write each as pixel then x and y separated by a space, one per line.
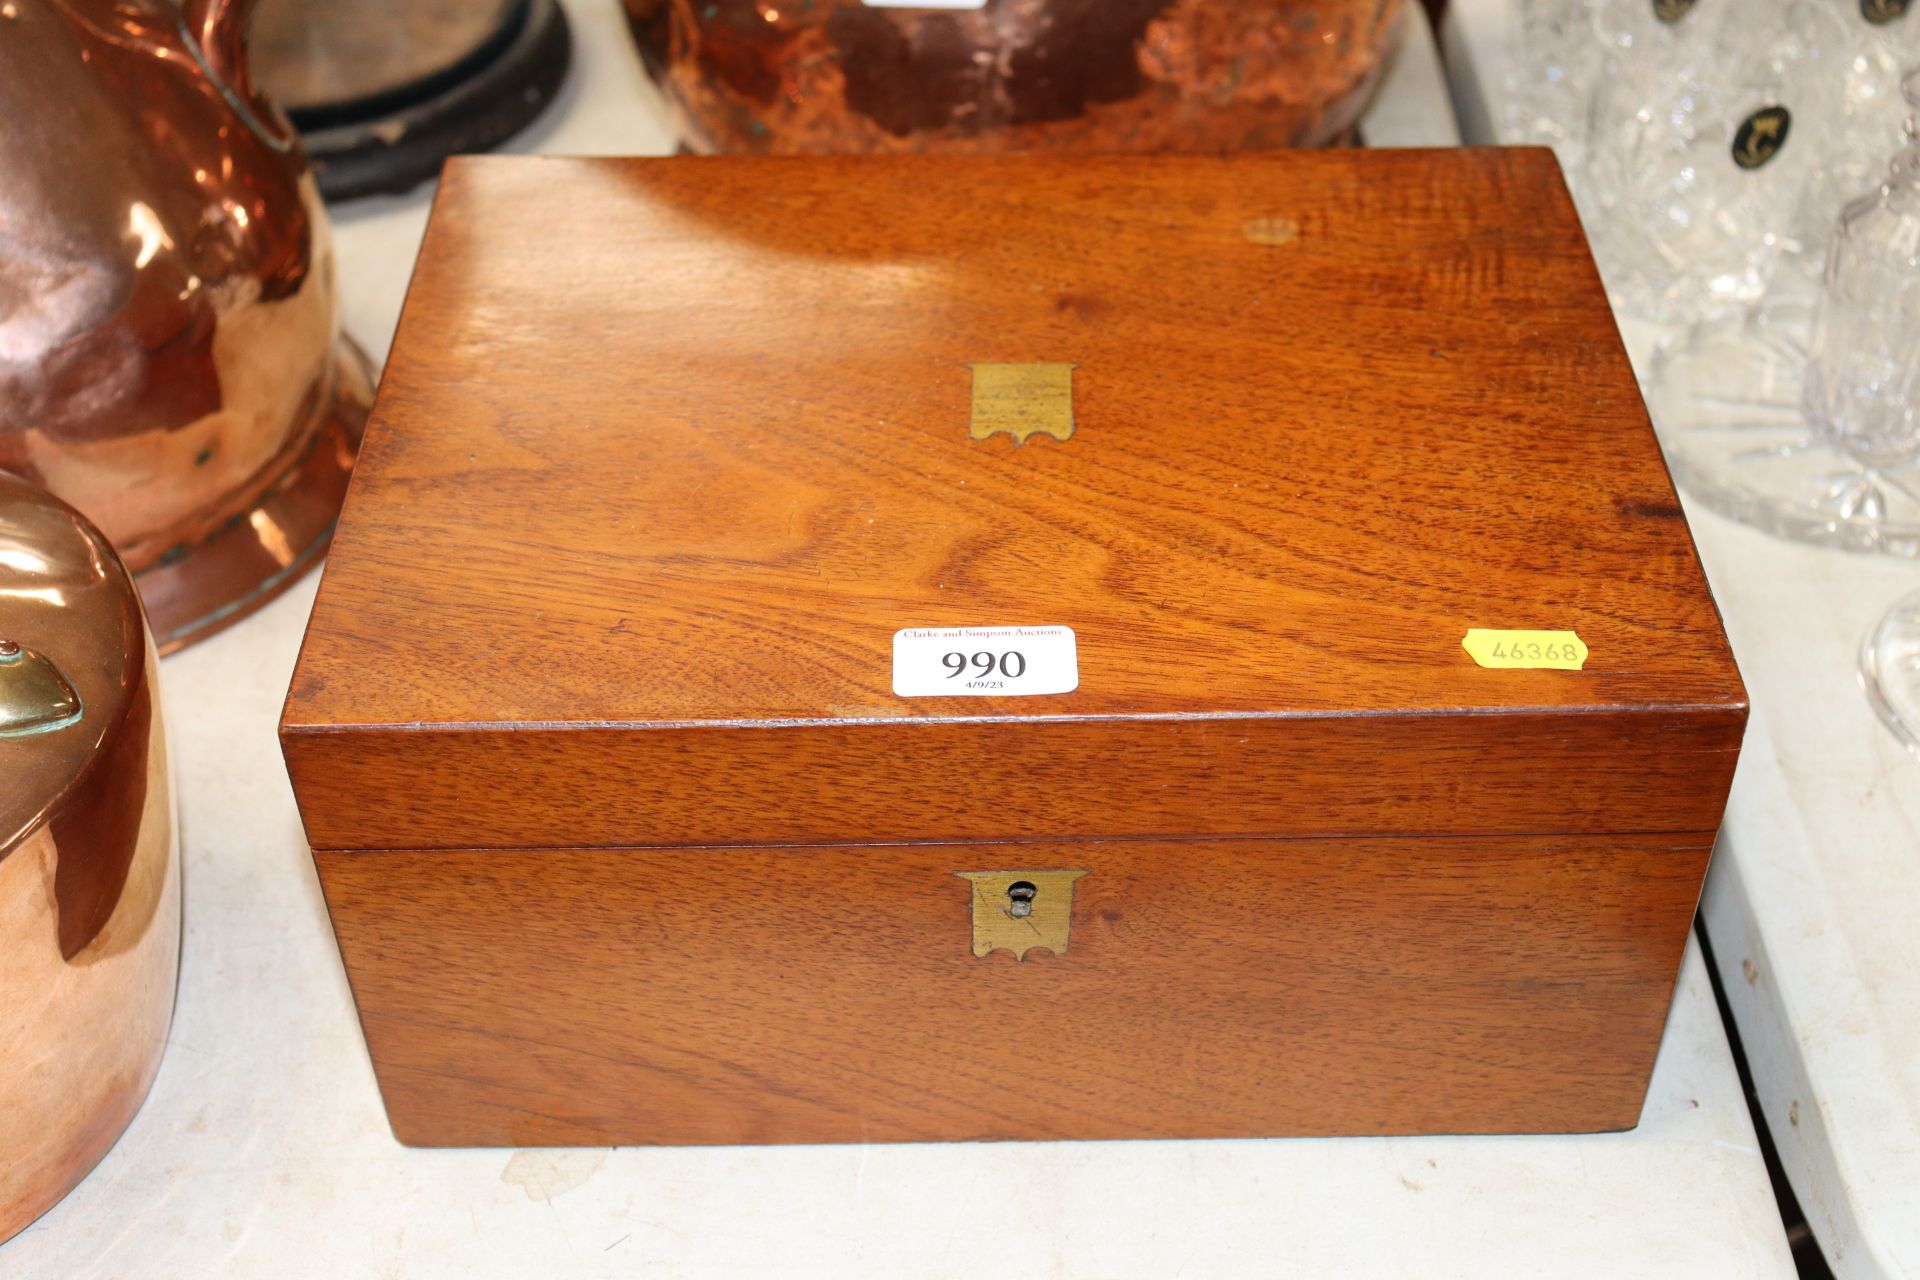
pixel 1535 651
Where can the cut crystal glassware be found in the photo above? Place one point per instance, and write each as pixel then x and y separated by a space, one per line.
pixel 1710 144
pixel 1863 372
pixel 1811 427
pixel 1863 389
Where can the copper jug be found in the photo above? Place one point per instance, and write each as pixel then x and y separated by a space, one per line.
pixel 170 360
pixel 89 860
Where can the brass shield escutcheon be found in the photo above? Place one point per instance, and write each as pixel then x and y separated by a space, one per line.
pixel 1022 400
pixel 1020 911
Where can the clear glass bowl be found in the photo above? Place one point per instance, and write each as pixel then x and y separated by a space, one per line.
pixel 1728 400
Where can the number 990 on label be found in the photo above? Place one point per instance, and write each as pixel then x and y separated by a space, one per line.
pixel 1010 665
pixel 963 662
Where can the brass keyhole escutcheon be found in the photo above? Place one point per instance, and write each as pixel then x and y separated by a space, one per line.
pixel 1021 911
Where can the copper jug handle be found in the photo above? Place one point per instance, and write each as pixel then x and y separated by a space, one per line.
pixel 216 31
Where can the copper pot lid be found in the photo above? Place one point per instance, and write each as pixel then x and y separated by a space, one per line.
pixel 72 659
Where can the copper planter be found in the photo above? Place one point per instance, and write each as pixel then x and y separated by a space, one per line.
pixel 170 361
pixel 1013 75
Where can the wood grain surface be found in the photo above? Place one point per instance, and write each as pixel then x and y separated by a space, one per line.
pixel 512 787
pixel 668 450
pixel 627 838
pixel 830 995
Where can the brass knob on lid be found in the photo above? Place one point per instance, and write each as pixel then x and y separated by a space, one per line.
pixel 34 696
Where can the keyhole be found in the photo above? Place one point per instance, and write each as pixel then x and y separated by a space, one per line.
pixel 1020 895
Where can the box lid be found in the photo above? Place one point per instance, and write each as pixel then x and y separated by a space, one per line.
pixel 668 451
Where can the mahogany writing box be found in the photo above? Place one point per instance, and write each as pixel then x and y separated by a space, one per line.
pixel 650 802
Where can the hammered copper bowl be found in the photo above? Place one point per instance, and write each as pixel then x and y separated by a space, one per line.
pixel 1013 75
pixel 169 353
pixel 89 861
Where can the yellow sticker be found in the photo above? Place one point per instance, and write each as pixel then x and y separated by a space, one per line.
pixel 1510 650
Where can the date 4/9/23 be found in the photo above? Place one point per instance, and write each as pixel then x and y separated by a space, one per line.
pixel 1010 665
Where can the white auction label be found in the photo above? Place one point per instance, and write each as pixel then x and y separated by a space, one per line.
pixel 984 662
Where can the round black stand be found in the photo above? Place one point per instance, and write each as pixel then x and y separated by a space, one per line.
pixel 392 140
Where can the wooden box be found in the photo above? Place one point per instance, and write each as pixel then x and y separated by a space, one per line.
pixel 648 812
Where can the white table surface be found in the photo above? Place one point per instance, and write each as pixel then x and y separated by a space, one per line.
pixel 1813 904
pixel 263 1150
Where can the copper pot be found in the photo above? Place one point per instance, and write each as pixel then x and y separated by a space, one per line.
pixel 1013 75
pixel 89 861
pixel 169 351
